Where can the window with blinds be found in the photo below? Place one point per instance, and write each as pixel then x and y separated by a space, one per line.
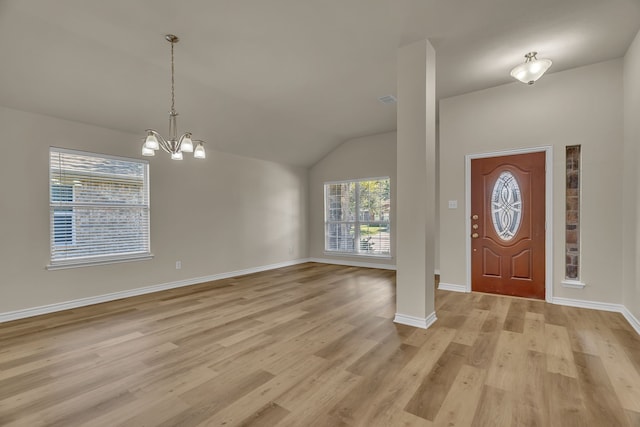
pixel 357 217
pixel 98 208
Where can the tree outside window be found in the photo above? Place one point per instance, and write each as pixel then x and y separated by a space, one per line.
pixel 357 217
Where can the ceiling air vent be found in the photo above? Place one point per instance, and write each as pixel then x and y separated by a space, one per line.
pixel 387 99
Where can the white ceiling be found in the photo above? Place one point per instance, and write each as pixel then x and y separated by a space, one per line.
pixel 283 80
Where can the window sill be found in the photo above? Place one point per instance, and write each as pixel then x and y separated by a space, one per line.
pixel 576 284
pixel 356 255
pixel 79 264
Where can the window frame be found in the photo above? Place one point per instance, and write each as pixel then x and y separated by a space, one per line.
pixel 91 260
pixel 357 222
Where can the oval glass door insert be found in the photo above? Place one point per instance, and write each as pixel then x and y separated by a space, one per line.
pixel 506 206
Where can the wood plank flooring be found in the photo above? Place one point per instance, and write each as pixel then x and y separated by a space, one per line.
pixel 315 345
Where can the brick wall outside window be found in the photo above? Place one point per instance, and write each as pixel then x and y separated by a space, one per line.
pixel 572 232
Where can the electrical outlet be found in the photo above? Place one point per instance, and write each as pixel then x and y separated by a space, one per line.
pixel 453 204
pixel 178 265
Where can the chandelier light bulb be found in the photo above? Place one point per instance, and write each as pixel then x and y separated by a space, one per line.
pixel 176 156
pixel 187 144
pixel 199 151
pixel 146 151
pixel 151 142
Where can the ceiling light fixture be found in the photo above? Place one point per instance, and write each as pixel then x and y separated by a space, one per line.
pixel 174 145
pixel 532 69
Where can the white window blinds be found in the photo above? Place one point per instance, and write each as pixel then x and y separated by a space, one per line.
pixel 98 208
pixel 357 217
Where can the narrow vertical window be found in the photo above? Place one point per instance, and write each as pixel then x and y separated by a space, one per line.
pixel 572 230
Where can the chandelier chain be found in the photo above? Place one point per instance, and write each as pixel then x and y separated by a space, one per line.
pixel 173 97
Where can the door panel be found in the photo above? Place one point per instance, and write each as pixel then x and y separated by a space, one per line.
pixel 491 263
pixel 521 265
pixel 508 225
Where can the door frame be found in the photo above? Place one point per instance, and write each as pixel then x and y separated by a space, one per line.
pixel 548 238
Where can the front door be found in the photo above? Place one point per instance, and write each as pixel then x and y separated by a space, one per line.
pixel 508 225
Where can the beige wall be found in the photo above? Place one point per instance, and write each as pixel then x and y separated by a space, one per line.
pixel 367 157
pixel 579 106
pixel 223 214
pixel 631 240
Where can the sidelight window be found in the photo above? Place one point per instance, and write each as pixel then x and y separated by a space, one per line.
pixel 572 226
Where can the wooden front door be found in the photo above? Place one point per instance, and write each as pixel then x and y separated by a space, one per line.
pixel 508 225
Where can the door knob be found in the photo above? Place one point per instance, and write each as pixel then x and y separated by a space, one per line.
pixel 474 217
pixel 475 226
pixel 474 235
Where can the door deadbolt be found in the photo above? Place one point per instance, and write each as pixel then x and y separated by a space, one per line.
pixel 474 217
pixel 474 235
pixel 475 226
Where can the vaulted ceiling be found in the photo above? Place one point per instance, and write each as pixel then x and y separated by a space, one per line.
pixel 283 80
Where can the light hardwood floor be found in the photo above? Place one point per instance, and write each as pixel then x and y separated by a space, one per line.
pixel 315 345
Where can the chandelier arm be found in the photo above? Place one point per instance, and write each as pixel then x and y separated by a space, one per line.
pixel 179 143
pixel 166 147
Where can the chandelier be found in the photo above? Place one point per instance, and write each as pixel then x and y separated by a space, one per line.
pixel 532 69
pixel 174 145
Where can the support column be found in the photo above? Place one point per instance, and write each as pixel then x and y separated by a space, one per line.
pixel 416 188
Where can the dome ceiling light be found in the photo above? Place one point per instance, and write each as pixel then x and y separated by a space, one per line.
pixel 532 69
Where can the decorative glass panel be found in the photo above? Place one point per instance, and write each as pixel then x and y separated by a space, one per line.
pixel 506 206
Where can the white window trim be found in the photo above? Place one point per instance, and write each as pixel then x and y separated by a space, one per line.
pixel 357 221
pixel 63 265
pixel 101 259
pixel 359 255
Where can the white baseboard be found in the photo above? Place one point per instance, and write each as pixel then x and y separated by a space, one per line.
pixel 81 302
pixel 580 303
pixel 452 287
pixel 633 320
pixel 417 322
pixel 430 320
pixel 353 263
pixel 604 306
